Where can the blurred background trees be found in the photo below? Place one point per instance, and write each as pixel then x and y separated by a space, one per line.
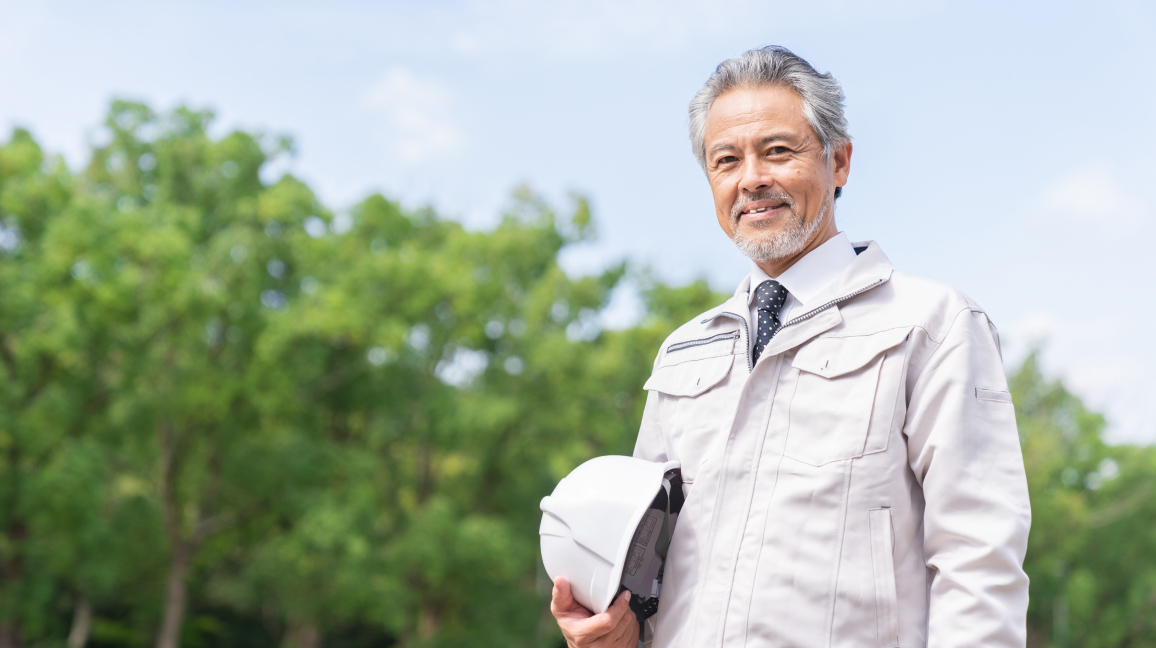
pixel 230 416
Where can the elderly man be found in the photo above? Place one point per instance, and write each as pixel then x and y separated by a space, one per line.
pixel 848 444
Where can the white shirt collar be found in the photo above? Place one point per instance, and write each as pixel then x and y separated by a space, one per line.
pixel 812 273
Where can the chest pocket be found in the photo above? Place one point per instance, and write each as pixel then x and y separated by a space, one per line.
pixel 845 398
pixel 693 380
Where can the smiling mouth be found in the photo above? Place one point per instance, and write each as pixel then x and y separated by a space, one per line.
pixel 765 206
pixel 759 210
pixel 764 213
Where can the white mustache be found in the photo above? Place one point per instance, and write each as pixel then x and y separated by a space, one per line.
pixel 737 209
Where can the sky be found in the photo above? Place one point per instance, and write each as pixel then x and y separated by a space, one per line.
pixel 1001 147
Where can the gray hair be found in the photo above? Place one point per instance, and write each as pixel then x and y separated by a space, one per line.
pixel 775 66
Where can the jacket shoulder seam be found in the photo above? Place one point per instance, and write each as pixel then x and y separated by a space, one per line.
pixel 922 362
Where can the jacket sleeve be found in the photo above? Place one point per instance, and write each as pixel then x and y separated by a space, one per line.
pixel 650 444
pixel 964 450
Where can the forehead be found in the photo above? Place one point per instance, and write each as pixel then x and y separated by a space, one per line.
pixel 756 111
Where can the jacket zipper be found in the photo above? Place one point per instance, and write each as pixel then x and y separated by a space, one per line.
pixel 746 333
pixel 809 314
pixel 693 343
pixel 802 318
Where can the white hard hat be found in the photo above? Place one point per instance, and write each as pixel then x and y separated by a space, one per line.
pixel 606 528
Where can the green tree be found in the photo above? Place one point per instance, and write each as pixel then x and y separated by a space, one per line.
pixel 232 416
pixel 52 360
pixel 189 252
pixel 1092 550
pixel 341 424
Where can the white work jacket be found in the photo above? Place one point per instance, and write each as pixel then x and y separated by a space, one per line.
pixel 861 485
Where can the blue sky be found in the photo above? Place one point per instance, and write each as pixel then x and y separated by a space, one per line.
pixel 1005 148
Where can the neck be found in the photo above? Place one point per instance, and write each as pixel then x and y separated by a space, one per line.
pixel 776 267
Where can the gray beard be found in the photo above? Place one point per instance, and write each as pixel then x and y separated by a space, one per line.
pixel 786 243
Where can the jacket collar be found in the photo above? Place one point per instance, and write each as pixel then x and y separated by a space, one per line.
pixel 813 272
pixel 871 266
pixel 870 269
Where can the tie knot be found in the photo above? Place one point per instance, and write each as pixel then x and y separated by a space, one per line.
pixel 771 295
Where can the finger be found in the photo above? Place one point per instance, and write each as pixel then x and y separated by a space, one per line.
pixel 633 636
pixel 561 592
pixel 627 626
pixel 620 607
pixel 614 622
pixel 562 603
pixel 626 629
pixel 595 626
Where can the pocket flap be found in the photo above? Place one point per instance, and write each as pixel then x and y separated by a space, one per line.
pixel 690 378
pixel 837 356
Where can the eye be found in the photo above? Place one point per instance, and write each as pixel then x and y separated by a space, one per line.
pixel 727 159
pixel 778 150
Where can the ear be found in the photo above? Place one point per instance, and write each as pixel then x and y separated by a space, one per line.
pixel 841 160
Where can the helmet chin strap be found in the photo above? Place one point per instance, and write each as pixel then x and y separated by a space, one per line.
pixel 669 501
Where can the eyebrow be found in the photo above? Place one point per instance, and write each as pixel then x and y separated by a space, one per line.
pixel 764 141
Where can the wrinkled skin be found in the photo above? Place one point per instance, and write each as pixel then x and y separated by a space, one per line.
pixel 617 627
pixel 758 142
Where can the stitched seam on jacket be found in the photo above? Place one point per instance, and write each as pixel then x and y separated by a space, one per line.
pixel 900 395
pixel 861 335
pixel 834 584
pixel 993 395
pixel 857 336
pixel 770 497
pixel 712 529
pixel 938 345
pixel 756 461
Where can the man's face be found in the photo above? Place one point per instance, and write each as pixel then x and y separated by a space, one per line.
pixel 773 187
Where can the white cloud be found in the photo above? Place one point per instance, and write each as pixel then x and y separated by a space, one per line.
pixel 1101 358
pixel 419 113
pixel 1094 193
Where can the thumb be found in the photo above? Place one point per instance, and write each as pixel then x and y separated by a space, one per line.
pixel 562 603
pixel 562 598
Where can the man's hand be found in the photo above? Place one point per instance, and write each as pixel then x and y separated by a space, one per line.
pixel 617 627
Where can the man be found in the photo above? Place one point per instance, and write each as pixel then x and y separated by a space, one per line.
pixel 847 441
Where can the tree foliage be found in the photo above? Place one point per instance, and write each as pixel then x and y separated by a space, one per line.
pixel 230 415
pixel 1092 549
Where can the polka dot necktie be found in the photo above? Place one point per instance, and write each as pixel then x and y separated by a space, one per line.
pixel 771 295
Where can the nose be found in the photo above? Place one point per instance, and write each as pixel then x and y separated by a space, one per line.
pixel 755 176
